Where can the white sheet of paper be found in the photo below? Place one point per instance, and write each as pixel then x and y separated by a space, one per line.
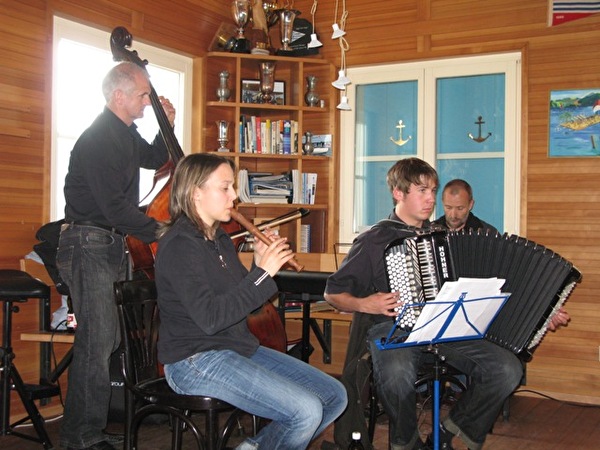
pixel 482 301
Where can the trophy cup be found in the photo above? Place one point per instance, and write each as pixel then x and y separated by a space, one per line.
pixel 271 9
pixel 241 10
pixel 222 126
pixel 267 81
pixel 286 27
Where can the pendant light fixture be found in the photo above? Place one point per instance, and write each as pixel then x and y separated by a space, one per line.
pixel 314 42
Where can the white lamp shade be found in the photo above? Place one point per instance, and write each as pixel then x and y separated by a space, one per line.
pixel 344 106
pixel 314 42
pixel 342 80
pixel 337 33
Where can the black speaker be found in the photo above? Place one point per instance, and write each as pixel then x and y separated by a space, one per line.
pixel 116 410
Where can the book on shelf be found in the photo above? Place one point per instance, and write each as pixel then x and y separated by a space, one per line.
pixel 287 137
pixel 296 186
pixel 262 135
pixel 305 238
pixel 257 134
pixel 294 133
pixel 309 188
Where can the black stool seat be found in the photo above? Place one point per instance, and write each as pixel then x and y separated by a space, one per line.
pixel 19 285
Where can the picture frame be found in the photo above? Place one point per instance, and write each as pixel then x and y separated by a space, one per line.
pixel 574 129
pixel 250 92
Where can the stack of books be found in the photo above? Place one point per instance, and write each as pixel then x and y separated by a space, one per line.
pixel 265 187
pixel 288 187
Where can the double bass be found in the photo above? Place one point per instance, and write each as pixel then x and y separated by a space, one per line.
pixel 142 254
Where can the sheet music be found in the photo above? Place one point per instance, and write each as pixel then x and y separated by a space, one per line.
pixel 446 318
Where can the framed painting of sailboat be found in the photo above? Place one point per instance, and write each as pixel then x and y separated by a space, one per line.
pixel 574 123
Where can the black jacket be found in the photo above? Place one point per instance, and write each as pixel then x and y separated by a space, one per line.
pixel 473 222
pixel 203 301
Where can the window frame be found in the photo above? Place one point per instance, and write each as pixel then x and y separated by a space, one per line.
pixel 426 73
pixel 87 35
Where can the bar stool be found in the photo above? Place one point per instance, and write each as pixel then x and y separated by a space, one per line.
pixel 17 287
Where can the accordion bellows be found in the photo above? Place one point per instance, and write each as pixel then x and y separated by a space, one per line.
pixel 538 279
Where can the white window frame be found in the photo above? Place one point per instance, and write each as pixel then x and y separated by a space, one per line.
pixel 67 29
pixel 426 73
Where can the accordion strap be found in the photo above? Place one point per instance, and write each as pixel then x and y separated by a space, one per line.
pixel 401 226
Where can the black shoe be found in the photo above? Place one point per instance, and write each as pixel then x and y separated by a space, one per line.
pixel 102 445
pixel 445 439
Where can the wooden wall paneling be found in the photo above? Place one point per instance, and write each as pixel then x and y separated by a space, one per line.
pixel 178 25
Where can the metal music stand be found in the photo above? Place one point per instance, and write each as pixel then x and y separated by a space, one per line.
pixel 444 320
pixel 306 287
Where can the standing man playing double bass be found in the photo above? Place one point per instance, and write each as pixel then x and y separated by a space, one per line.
pixel 102 196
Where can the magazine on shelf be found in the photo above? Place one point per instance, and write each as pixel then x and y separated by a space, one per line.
pixel 270 189
pixel 270 184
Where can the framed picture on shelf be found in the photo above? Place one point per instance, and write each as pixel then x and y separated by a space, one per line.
pixel 251 92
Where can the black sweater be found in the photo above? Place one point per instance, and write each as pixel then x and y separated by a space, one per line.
pixel 203 302
pixel 102 185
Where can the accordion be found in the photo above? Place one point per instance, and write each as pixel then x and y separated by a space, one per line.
pixel 538 279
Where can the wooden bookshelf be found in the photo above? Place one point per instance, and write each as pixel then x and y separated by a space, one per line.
pixel 292 73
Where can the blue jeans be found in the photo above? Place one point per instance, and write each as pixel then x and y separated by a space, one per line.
pixel 300 400
pixel 494 374
pixel 90 260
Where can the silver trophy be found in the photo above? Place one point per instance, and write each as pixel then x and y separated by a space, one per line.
pixel 241 10
pixel 222 127
pixel 286 28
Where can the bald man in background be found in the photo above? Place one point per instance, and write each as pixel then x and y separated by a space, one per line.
pixel 457 200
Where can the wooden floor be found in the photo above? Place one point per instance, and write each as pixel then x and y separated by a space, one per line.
pixel 535 423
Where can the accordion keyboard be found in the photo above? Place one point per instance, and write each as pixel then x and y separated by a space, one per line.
pixel 411 272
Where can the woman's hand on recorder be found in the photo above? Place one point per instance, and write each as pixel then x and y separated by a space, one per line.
pixel 273 256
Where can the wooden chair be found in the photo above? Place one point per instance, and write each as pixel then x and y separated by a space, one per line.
pixel 148 393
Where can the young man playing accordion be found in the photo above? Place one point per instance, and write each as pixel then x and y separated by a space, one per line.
pixel 360 286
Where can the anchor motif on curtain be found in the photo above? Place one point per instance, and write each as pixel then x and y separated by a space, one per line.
pixel 400 142
pixel 479 138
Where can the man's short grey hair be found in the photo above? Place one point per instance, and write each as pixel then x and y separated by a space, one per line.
pixel 121 76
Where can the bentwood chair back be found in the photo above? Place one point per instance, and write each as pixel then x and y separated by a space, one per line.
pixel 147 392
